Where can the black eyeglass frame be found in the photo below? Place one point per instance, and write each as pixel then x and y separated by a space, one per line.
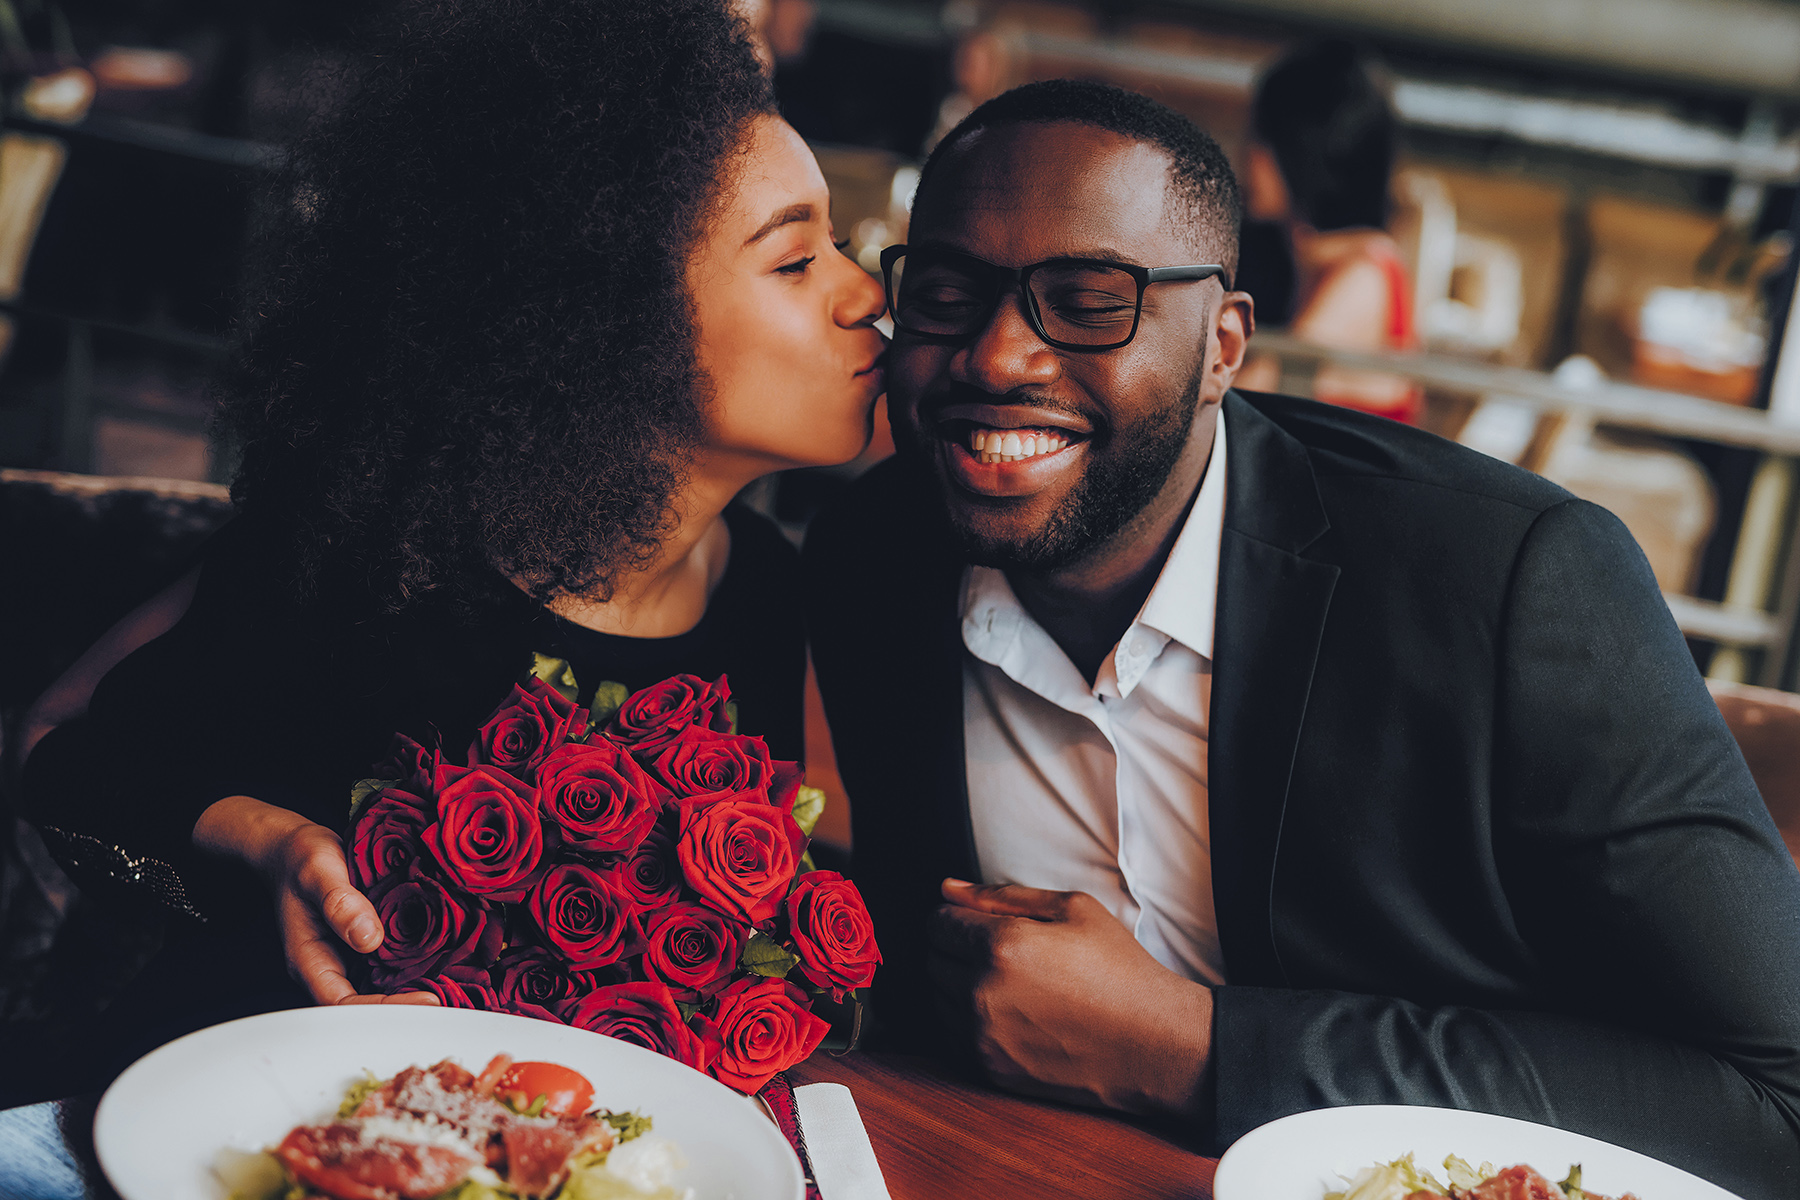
pixel 1020 277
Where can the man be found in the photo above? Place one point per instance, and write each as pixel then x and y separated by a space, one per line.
pixel 1306 759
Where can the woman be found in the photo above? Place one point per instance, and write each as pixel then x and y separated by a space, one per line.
pixel 553 284
pixel 1319 169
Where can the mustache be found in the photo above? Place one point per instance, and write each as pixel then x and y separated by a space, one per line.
pixel 950 394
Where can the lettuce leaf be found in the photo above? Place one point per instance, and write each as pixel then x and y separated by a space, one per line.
pixel 1389 1181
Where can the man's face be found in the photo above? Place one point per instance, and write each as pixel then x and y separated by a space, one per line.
pixel 1107 427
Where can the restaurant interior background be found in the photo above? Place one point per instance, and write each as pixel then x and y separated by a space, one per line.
pixel 1595 203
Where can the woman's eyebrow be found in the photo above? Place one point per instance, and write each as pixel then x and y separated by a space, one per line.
pixel 790 215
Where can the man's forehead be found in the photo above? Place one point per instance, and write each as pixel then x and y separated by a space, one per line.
pixel 1049 189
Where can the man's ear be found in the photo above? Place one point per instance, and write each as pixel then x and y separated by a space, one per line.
pixel 1232 328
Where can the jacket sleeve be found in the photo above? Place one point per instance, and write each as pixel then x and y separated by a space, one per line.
pixel 1644 873
pixel 185 720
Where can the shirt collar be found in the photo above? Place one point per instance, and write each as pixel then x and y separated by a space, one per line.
pixel 1181 603
pixel 1184 600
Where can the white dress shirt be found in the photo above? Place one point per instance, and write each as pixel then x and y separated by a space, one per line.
pixel 1102 789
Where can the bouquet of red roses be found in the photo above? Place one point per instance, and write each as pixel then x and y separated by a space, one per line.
pixel 636 868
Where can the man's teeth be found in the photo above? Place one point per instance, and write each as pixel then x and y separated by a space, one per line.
pixel 1011 445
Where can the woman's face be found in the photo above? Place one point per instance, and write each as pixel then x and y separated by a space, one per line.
pixel 785 323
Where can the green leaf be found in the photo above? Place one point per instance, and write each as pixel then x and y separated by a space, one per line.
pixel 809 802
pixel 731 712
pixel 556 672
pixel 358 1092
pixel 1572 1185
pixel 609 698
pixel 763 955
pixel 253 1176
pixel 629 1124
pixel 469 1189
pixel 687 1009
pixel 806 864
pixel 363 790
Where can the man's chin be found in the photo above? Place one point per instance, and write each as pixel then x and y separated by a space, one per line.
pixel 1013 547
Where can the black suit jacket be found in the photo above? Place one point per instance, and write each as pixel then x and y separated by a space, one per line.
pixel 1480 837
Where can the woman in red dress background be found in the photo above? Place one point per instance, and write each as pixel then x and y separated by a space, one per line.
pixel 1320 166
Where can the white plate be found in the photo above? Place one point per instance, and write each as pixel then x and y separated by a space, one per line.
pixel 242 1085
pixel 1308 1154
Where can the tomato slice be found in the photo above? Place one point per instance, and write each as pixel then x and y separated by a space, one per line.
pixel 566 1093
pixel 491 1074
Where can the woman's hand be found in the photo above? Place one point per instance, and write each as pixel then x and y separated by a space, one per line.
pixel 316 905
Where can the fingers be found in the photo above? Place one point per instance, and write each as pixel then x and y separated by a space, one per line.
pixel 397 998
pixel 323 880
pixel 964 934
pixel 312 958
pixel 1010 899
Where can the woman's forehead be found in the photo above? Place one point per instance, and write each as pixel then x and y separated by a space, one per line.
pixel 775 173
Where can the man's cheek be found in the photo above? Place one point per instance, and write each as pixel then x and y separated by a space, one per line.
pixel 911 370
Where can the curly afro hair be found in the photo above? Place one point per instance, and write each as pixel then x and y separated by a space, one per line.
pixel 473 347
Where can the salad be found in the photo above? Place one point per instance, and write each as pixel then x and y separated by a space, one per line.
pixel 517 1131
pixel 1402 1179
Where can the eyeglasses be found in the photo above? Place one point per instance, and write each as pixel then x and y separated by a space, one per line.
pixel 1071 303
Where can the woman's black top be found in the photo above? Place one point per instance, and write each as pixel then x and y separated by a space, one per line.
pixel 249 694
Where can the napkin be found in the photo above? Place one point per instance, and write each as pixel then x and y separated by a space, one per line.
pixel 843 1161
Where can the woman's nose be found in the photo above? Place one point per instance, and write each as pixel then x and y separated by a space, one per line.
pixel 863 299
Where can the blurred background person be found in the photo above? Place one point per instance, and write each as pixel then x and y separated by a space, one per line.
pixel 1318 170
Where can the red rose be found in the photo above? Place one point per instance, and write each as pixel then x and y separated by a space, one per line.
pixel 465 987
pixel 764 1028
pixel 785 784
pixel 411 764
pixel 691 946
pixel 587 921
pixel 701 766
pixel 523 731
pixel 386 836
pixel 487 836
pixel 652 718
pixel 644 1014
pixel 427 930
pixel 599 797
pixel 529 977
pixel 832 932
pixel 740 855
pixel 652 875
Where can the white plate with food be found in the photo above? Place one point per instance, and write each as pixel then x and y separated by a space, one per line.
pixel 179 1123
pixel 1314 1154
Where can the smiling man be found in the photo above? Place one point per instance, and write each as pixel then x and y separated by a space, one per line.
pixel 1293 757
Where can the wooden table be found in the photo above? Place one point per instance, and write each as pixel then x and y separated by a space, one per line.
pixel 936 1135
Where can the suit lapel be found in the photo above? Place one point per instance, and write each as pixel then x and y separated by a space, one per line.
pixel 943 697
pixel 1272 607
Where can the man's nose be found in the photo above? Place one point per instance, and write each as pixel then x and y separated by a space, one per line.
pixel 1006 354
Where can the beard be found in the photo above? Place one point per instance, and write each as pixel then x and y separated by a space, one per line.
pixel 1126 469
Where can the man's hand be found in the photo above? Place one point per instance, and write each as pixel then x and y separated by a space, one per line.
pixel 1066 1004
pixel 316 905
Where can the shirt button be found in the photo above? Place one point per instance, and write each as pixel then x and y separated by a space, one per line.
pixel 1137 647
